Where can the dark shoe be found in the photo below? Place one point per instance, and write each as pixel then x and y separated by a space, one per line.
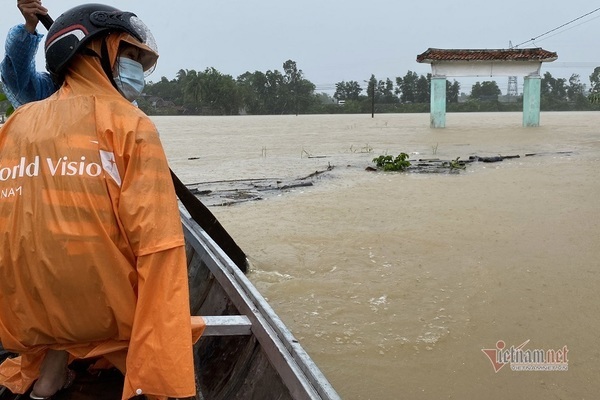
pixel 68 382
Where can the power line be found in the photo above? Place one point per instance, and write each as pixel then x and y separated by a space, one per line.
pixel 558 27
pixel 568 29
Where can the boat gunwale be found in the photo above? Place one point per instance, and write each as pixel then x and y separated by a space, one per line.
pixel 299 372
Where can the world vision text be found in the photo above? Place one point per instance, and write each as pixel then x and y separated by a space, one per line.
pixel 55 167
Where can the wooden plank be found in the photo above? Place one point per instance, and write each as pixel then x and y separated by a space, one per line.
pixel 227 325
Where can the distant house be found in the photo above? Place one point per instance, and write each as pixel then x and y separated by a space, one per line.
pixel 158 102
pixel 153 100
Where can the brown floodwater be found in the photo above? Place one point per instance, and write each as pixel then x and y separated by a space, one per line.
pixel 395 282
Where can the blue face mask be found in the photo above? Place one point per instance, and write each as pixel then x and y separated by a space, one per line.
pixel 129 78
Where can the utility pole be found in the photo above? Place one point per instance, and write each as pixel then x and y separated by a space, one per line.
pixel 512 80
pixel 371 92
pixel 373 103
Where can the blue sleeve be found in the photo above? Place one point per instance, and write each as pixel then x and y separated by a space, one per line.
pixel 22 83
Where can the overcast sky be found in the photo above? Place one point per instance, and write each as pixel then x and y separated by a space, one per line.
pixel 343 40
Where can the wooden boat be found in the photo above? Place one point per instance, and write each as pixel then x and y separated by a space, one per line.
pixel 246 352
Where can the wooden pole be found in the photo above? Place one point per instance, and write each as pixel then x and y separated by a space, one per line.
pixel 373 102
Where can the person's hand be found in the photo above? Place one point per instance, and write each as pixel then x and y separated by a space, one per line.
pixel 30 9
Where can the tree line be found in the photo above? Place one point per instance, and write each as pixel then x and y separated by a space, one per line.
pixel 211 92
pixel 214 93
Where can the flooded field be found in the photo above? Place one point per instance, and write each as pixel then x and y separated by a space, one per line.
pixel 395 282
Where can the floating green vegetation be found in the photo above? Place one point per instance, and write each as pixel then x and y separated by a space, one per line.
pixel 391 163
pixel 455 164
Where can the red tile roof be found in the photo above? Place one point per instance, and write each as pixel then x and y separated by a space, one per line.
pixel 532 54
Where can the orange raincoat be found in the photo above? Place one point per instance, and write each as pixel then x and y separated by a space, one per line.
pixel 92 256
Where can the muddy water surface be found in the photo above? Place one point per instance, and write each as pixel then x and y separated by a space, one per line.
pixel 395 282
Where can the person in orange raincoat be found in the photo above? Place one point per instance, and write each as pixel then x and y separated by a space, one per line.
pixel 92 261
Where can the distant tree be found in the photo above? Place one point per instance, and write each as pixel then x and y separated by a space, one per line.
pixel 276 100
pixel 487 90
pixel 324 98
pixel 386 89
pixel 595 81
pixel 299 90
pixel 452 91
pixel 594 94
pixel 188 83
pixel 181 74
pixel 178 90
pixel 576 89
pixel 406 87
pixel 219 92
pixel 275 93
pixel 253 92
pixel 553 92
pixel 423 89
pixel 347 90
pixel 192 91
pixel 476 90
pixel 292 79
pixel 555 87
pixel 305 99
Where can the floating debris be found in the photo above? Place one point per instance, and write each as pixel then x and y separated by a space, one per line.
pixel 229 192
pixel 438 166
pixel 549 153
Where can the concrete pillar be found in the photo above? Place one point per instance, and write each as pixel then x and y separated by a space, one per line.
pixel 532 85
pixel 438 102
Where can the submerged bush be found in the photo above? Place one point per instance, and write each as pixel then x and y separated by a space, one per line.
pixel 389 163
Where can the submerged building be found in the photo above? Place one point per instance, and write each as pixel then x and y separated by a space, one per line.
pixel 525 63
